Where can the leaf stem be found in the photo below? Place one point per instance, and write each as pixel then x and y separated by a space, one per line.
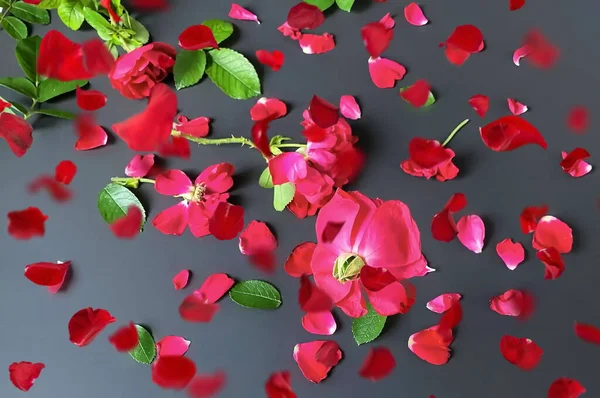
pixel 31 110
pixel 456 130
pixel 131 182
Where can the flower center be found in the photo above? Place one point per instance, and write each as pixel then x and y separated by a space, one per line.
pixel 196 194
pixel 347 267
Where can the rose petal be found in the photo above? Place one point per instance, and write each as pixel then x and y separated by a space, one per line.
pixel 378 364
pixel 16 132
pixel 125 338
pixel 349 108
pixel 321 322
pixel 510 132
pixel 279 385
pixel 552 232
pixel 467 38
pixel 128 226
pixel 215 287
pixel 384 72
pixel 298 263
pixel 565 388
pixel 305 355
pixel 515 5
pixel 172 220
pixel 305 16
pixel 195 308
pixel 376 38
pixel 197 37
pixel 26 224
pixel 58 191
pixel 90 134
pixel 227 221
pixel 512 253
pixel 316 44
pixel 375 279
pixel 578 119
pixel 471 232
pixel 452 317
pixel 273 59
pixel 288 31
pixel 443 227
pixel 417 94
pixel 172 346
pixel 198 127
pixel 24 374
pixel 86 324
pixel 48 274
pixel 258 241
pixel 65 172
pixel 428 153
pixel 553 262
pixel 113 14
pixel 530 217
pixel 573 163
pixel 509 303
pixel 323 113
pixel 180 280
pixel 481 104
pixel 520 53
pixel 239 12
pixel 139 165
pixel 150 5
pixel 90 100
pixel 516 108
pixel 97 58
pixel 173 372
pixel 207 386
pixel 388 21
pixel 268 109
pixel 414 15
pixel 543 54
pixel 260 137
pixel 443 302
pixel 431 345
pixel 521 352
pixel 455 55
pixel 311 298
pixel 4 105
pixel 589 333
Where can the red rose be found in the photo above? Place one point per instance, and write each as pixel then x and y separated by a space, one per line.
pixel 428 158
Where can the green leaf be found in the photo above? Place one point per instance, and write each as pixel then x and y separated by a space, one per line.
pixel 71 13
pixel 20 85
pixel 255 294
pixel 322 4
pixel 283 195
pixel 265 180
pixel 430 98
pixel 14 27
pixel 189 68
pixel 345 5
pixel 221 29
pixel 4 4
pixel 27 52
pixel 49 4
pixel 30 13
pixel 367 328
pixel 57 113
pixel 51 88
pixel 145 352
pixel 141 33
pixel 278 139
pixel 104 29
pixel 233 74
pixel 114 200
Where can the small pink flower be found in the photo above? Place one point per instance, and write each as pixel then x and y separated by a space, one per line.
pixel 200 199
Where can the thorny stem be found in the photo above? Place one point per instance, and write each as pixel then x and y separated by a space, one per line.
pixel 456 129
pixel 214 141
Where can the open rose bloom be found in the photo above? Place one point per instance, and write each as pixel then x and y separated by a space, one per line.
pixel 377 247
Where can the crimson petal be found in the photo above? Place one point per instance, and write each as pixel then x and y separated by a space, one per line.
pixel 530 216
pixel 197 37
pixel 298 262
pixel 128 226
pixel 195 308
pixel 452 317
pixel 572 162
pixel 578 119
pixel 565 388
pixel 311 298
pixel 553 262
pixel 26 224
pixel 47 274
pixel 589 333
pixel 417 94
pixel 57 190
pixel 323 113
pixel 260 136
pixel 511 132
pixel 273 60
pixel 279 385
pixel 467 38
pixel 515 5
pixel 316 358
pixel 542 53
pixel 24 374
pixel 305 16
pixel 90 100
pixel 443 227
pixel 16 132
pixel 428 153
pixel 521 352
pixel 227 221
pixel 481 104
pixel 125 338
pixel 378 364
pixel 86 324
pixel 432 345
pixel 173 372
pixel 65 172
pixel 375 279
pixel 376 37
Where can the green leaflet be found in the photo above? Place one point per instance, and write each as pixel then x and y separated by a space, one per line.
pixel 141 33
pixel 265 180
pixel 367 328
pixel 322 4
pixel 4 3
pixel 49 4
pixel 345 5
pixel 221 29
pixel 114 200
pixel 71 13
pixel 145 352
pixel 20 85
pixel 283 195
pixel 189 68
pixel 14 27
pixel 30 13
pixel 233 74
pixel 56 113
pixel 255 294
pixel 104 29
pixel 51 88
pixel 27 52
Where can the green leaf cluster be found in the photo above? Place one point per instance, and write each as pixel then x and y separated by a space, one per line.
pixel 323 5
pixel 14 15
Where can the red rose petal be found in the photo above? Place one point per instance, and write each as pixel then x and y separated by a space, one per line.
pixel 195 308
pixel 260 137
pixel 215 287
pixel 65 172
pixel 521 352
pixel 311 298
pixel 279 385
pixel 428 153
pixel 58 191
pixel 86 324
pixel 90 100
pixel 24 374
pixel 378 364
pixel 16 132
pixel 305 16
pixel 520 53
pixel 316 44
pixel 315 133
pixel 443 227
pixel 197 37
pixel 150 5
pixel 417 94
pixel 573 163
pixel 180 280
pixel 227 221
pixel 349 108
pixel 108 5
pixel 414 15
pixel 26 224
pixel 565 388
pixel 322 323
pixel 471 232
pixel 172 346
pixel 97 58
pixel 238 12
pixel 514 5
pixel 589 333
pixel 125 338
pixel 516 108
pixel 60 58
pixel 48 274
pixel 376 38
pixel 305 355
pixel 331 231
pixel 467 38
pixel 268 109
pixel 173 372
pixel 552 232
pixel 510 132
pixel 198 127
pixel 327 354
pixel 530 216
pixel 206 386
pixel 139 165
pixel 323 113
pixel 455 55
pixel 578 119
pixel 553 262
pixel 431 345
pixel 451 318
pixel 175 147
pixel 128 226
pixel 375 279
pixel 4 105
pixel 273 60
pixel 443 302
pixel 90 134
pixel 388 21
pixel 509 303
pixel 481 104
pixel 384 72
pixel 512 253
pixel 542 53
pixel 298 262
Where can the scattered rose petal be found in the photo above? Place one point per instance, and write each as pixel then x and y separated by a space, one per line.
pixel 197 37
pixel 443 302
pixel 58 191
pixel 378 364
pixel 428 158
pixel 65 172
pixel 90 100
pixel 90 134
pixel 443 227
pixel 542 53
pixel 552 232
pixel 578 119
pixel 227 221
pixel 322 112
pixel 172 346
pixel 305 355
pixel 86 324
pixel 452 317
pixel 521 352
pixel 16 132
pixel 565 388
pixel 464 41
pixel 349 108
pixel 173 372
pixel 279 385
pixel 305 16
pixel 268 109
pixel 298 262
pixel 520 53
pixel 589 333
pixel 417 94
pixel 215 287
pixel 509 303
pixel 512 253
pixel 510 132
pixel 125 338
pixel 316 44
pixel 239 12
pixel 290 32
pixel 198 127
pixel 553 262
pixel 128 226
pixel 388 21
pixel 530 217
pixel 515 5
pixel 47 274
pixel 26 224
pixel 273 59
pixel 384 72
pixel 195 308
pixel 180 280
pixel 414 15
pixel 258 242
pixel 376 38
pixel 311 298
pixel 431 345
pixel 150 5
pixel 471 232
pixel 24 374
pixel 207 386
pixel 139 165
pixel 321 322
pixel 573 163
pixel 260 137
pixel 516 108
pixel 481 104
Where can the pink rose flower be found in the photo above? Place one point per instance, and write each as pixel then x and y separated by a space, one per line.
pixel 136 73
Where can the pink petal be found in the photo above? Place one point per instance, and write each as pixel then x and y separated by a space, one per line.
pixel 520 53
pixel 481 104
pixel 288 167
pixel 509 303
pixel 414 15
pixel 215 287
pixel 206 386
pixel 391 300
pixel 378 364
pixel 316 44
pixel 443 302
pixel 321 322
pixel 173 183
pixel 172 220
pixel 257 238
pixel 578 119
pixel 552 232
pixel 172 346
pixel 349 107
pixel 384 72
pixel 432 345
pixel 305 355
pixel 298 263
pixel 239 12
pixel 217 177
pixel 516 108
pixel 573 162
pixel 139 165
pixel 511 253
pixel 471 232
pixel 90 134
pixel 387 21
pixel 181 279
pixel 268 109
pixel 128 226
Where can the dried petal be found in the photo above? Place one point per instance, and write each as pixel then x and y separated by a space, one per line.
pixel 48 274
pixel 172 346
pixel 512 253
pixel 139 165
pixel 128 226
pixel 323 113
pixel 414 15
pixel 376 38
pixel 378 364
pixel 552 232
pixel 90 100
pixel 17 133
pixel 86 324
pixel 227 221
pixel 273 59
pixel 510 132
pixel 173 372
pixel 239 12
pixel 431 345
pixel 305 355
pixel 197 37
pixel 573 163
pixel 321 322
pixel 589 333
pixel 349 108
pixel 471 232
pixel 578 119
pixel 305 16
pixel 125 338
pixel 443 302
pixel 65 172
pixel 481 104
pixel 180 280
pixel 553 262
pixel 311 298
pixel 24 374
pixel 516 108
pixel 530 217
pixel 90 134
pixel 521 352
pixel 207 386
pixel 384 72
pixel 565 388
pixel 279 385
pixel 417 94
pixel 268 109
pixel 26 224
pixel 298 262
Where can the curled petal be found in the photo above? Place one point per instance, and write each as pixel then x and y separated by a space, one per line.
pixel 172 346
pixel 86 324
pixel 384 72
pixel 273 59
pixel 65 172
pixel 180 280
pixel 207 386
pixel 588 333
pixel 511 132
pixel 552 232
pixel 481 104
pixel 90 100
pixel 260 136
pixel 125 338
pixel 553 263
pixel 378 364
pixel 349 108
pixel 239 12
pixel 512 253
pixel 573 163
pixel 51 275
pixel 139 165
pixel 516 108
pixel 521 352
pixel 414 15
pixel 376 38
pixel 26 224
pixel 24 374
pixel 432 345
pixel 313 366
pixel 173 372
pixel 321 322
pixel 471 232
pixel 520 53
pixel 198 127
pixel 388 21
pixel 443 302
pixel 197 37
pixel 530 217
pixel 298 262
pixel 565 388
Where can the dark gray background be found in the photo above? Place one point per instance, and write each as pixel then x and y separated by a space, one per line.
pixel 132 279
